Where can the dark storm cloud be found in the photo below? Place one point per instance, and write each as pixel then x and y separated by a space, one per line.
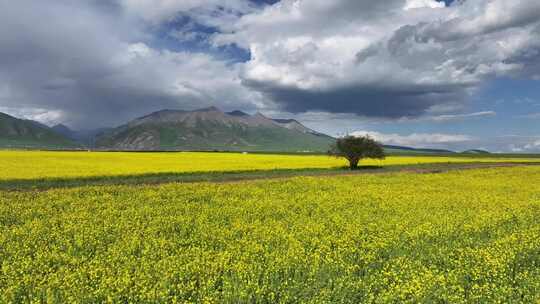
pixel 101 62
pixel 56 55
pixel 523 14
pixel 383 102
pixel 414 61
pixel 529 57
pixel 84 59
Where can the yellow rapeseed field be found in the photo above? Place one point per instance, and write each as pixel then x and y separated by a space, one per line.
pixel 458 237
pixel 36 165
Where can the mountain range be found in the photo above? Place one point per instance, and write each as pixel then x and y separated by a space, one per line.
pixel 83 137
pixel 28 134
pixel 212 129
pixel 208 129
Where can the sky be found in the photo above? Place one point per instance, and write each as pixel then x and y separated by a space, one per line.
pixel 458 75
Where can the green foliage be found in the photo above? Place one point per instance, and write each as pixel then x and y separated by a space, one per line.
pixel 355 148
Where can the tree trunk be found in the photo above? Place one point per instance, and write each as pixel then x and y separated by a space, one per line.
pixel 353 163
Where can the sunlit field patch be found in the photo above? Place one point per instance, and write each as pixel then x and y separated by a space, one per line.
pixel 458 237
pixel 34 165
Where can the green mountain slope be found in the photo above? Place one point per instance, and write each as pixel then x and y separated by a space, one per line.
pixel 211 129
pixel 476 151
pixel 414 151
pixel 19 133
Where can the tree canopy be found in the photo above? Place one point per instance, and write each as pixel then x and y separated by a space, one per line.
pixel 355 148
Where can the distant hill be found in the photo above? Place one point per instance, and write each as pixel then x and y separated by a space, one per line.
pixel 213 129
pixel 28 134
pixel 293 124
pixel 476 151
pixel 408 150
pixel 63 130
pixel 83 137
pixel 208 129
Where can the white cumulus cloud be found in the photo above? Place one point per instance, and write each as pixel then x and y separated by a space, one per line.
pixel 415 139
pixel 395 58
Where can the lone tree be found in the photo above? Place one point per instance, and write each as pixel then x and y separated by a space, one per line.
pixel 355 149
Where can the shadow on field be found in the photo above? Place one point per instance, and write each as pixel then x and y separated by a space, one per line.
pixel 160 178
pixel 231 176
pixel 362 168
